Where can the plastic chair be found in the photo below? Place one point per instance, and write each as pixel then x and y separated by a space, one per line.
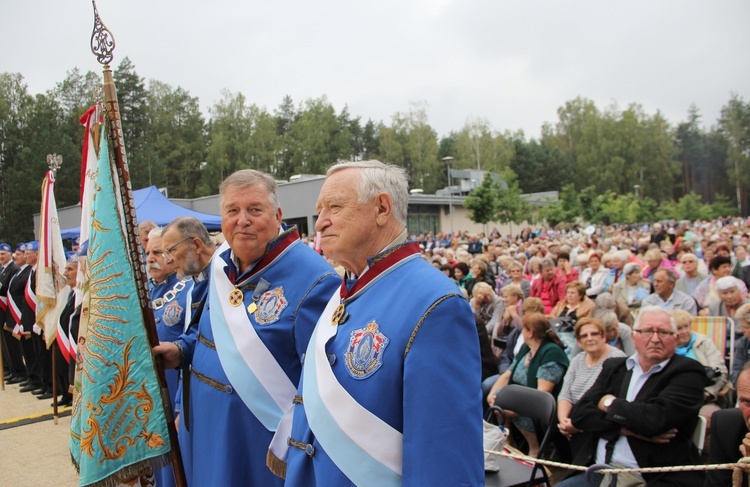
pixel 715 327
pixel 541 407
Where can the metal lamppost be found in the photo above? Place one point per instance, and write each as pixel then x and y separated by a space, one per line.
pixel 636 187
pixel 447 160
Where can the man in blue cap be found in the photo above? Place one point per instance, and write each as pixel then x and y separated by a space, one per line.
pixel 12 361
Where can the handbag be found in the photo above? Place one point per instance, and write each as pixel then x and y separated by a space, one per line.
pixel 494 438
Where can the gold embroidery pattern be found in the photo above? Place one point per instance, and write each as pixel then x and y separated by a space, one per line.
pixel 211 382
pixel 206 341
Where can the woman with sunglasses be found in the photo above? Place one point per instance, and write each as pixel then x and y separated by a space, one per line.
pixel 584 368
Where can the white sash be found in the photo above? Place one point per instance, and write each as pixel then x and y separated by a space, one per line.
pixel 250 367
pixel 364 447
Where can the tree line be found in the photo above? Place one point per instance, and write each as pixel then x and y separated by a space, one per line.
pixel 599 155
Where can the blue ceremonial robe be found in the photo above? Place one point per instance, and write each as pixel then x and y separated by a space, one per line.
pixel 429 390
pixel 229 444
pixel 197 296
pixel 170 322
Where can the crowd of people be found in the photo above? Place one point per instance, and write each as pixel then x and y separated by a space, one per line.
pixel 375 361
pixel 612 293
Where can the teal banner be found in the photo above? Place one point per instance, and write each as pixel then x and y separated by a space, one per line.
pixel 118 429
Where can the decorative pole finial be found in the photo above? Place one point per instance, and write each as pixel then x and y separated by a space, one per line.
pixel 102 40
pixel 54 161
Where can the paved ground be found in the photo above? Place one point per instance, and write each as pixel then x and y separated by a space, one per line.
pixel 35 453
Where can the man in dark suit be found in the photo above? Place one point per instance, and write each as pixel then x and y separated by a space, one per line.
pixel 12 360
pixel 730 438
pixel 16 300
pixel 642 410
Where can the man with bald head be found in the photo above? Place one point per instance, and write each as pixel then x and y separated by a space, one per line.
pixel 642 410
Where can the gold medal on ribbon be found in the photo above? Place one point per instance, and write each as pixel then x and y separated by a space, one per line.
pixel 252 307
pixel 338 315
pixel 235 297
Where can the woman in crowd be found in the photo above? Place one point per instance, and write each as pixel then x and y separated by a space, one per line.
pixel 576 304
pixel 619 335
pixel 478 274
pixel 729 290
pixel 701 348
pixel 741 346
pixel 515 337
pixel 655 260
pixel 705 293
pixel 594 276
pixel 510 319
pixel 534 270
pixel 565 269
pixel 486 305
pixel 461 274
pixel 584 368
pixel 633 289
pixel 541 364
pixel 515 270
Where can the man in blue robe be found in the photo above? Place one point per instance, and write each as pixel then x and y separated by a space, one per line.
pixel 265 291
pixel 169 296
pixel 391 391
pixel 192 262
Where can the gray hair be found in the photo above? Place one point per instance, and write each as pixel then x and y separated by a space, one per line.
pixel 631 268
pixel 621 255
pixel 608 317
pixel 546 262
pixel 606 301
pixel 188 226
pixel 654 309
pixel 377 177
pixel 671 275
pixel 156 232
pixel 250 177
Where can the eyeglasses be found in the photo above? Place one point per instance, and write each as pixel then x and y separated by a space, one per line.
pixel 663 334
pixel 593 334
pixel 168 251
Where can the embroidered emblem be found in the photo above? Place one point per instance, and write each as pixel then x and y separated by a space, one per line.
pixel 172 313
pixel 270 306
pixel 364 355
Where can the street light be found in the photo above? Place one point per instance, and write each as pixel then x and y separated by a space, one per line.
pixel 447 160
pixel 636 187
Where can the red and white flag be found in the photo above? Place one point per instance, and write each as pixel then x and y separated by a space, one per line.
pixel 49 278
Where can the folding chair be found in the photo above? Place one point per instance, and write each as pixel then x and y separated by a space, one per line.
pixel 699 434
pixel 715 327
pixel 539 406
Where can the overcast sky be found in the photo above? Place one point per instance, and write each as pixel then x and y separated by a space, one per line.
pixel 511 63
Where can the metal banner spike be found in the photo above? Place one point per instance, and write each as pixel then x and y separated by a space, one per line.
pixel 102 40
pixel 54 161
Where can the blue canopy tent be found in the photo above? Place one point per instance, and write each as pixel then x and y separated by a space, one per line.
pixel 151 204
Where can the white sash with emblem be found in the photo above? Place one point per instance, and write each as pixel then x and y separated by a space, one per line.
pixel 364 447
pixel 250 367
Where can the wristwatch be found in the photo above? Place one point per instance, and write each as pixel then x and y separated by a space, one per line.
pixel 608 402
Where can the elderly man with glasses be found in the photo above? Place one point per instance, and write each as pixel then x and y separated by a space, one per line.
pixel 642 410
